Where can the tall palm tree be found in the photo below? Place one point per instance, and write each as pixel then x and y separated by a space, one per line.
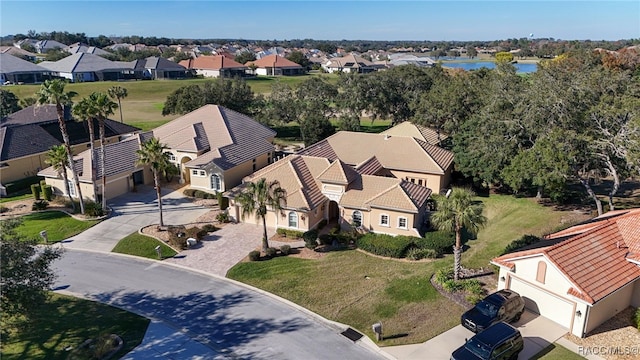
pixel 103 107
pixel 455 212
pixel 84 111
pixel 154 154
pixel 52 92
pixel 257 198
pixel 57 157
pixel 118 92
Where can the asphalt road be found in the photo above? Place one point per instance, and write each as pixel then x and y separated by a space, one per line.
pixel 232 320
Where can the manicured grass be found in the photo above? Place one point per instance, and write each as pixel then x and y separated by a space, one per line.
pixel 356 289
pixel 144 246
pixel 16 197
pixel 557 352
pixel 66 321
pixel 59 225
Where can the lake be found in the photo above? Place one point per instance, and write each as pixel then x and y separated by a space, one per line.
pixel 521 68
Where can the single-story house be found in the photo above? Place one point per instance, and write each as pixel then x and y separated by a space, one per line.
pixel 27 135
pixel 84 48
pixel 582 276
pixel 215 66
pixel 349 64
pixel 216 147
pixel 81 67
pixel 20 53
pixel 122 171
pixel 15 70
pixel 159 68
pixel 273 65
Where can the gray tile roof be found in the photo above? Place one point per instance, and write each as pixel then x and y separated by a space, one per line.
pixel 83 62
pixel 10 64
pixel 161 64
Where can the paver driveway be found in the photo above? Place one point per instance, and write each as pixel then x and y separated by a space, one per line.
pixel 132 211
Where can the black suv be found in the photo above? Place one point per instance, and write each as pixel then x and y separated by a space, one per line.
pixel 504 305
pixel 499 341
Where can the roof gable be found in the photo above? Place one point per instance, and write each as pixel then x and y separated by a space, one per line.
pixel 419 132
pixel 338 173
pixel 10 64
pixel 212 62
pixel 83 62
pixel 274 61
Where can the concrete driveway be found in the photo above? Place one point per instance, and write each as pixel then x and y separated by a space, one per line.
pixel 132 211
pixel 538 333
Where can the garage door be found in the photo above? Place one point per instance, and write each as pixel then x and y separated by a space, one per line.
pixel 541 302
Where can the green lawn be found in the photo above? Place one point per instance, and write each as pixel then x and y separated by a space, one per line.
pixel 66 321
pixel 59 225
pixel 395 292
pixel 557 352
pixel 144 246
pixel 29 195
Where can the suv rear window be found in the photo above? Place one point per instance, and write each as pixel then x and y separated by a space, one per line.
pixel 479 348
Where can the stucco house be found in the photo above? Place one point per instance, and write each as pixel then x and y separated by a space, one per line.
pixel 216 147
pixel 356 179
pixel 15 70
pixel 582 276
pixel 158 68
pixel 122 171
pixel 81 67
pixel 27 135
pixel 215 66
pixel 274 65
pixel 349 64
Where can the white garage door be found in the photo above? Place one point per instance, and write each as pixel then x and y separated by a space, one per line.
pixel 541 302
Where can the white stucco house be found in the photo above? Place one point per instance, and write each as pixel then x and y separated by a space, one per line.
pixel 582 276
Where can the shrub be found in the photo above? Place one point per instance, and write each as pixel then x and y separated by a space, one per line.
pixel 178 242
pixel 443 275
pixel 22 184
pixel 281 231
pixel 4 209
pixel 223 202
pixel 518 243
pixel 637 318
pixel 35 190
pixel 254 255
pixel 222 217
pixel 47 192
pixel 326 239
pixel 189 192
pixel 473 286
pixel 39 205
pixel 322 224
pixel 196 233
pixel 92 208
pixel 385 245
pixel 440 241
pixel 452 285
pixel 285 249
pixel 290 233
pixel 310 239
pixel 474 298
pixel 209 228
pixel 271 252
pixel 199 194
pixel 417 254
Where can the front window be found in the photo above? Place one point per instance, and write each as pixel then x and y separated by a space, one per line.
pixel 216 183
pixel 402 222
pixel 203 173
pixel 357 218
pixel 194 172
pixel 72 188
pixel 171 156
pixel 384 220
pixel 293 219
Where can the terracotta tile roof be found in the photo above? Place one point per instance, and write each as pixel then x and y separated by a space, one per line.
pixel 216 134
pixel 419 132
pixel 211 62
pixel 370 166
pixel 595 259
pixel 274 61
pixel 338 173
pixel 391 151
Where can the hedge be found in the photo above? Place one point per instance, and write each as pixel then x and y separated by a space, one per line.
pixel 22 184
pixel 518 243
pixel 440 241
pixel 385 245
pixel 290 233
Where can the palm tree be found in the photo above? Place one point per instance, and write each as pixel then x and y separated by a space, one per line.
pixel 52 92
pixel 454 212
pixel 118 92
pixel 84 111
pixel 103 107
pixel 153 153
pixel 258 197
pixel 57 157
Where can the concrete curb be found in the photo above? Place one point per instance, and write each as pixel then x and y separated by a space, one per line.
pixel 365 340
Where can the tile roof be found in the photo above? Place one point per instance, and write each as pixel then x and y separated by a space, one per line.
pixel 10 64
pixel 338 173
pixel 594 259
pixel 211 62
pixel 391 151
pixel 370 166
pixel 155 62
pixel 349 61
pixel 420 132
pixel 274 61
pixel 83 62
pixel 218 135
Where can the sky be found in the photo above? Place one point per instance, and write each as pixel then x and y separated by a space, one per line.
pixel 329 20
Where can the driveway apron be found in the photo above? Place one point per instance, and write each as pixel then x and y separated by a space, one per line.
pixel 132 211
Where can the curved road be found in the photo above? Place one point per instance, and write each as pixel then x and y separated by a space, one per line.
pixel 230 320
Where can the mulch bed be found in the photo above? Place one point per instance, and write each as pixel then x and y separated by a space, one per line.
pixel 488 281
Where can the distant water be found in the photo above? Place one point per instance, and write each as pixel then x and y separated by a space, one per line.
pixel 521 68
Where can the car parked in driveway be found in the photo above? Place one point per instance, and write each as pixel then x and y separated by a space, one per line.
pixel 499 341
pixel 504 305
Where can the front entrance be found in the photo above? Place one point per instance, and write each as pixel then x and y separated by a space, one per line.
pixel 185 175
pixel 334 211
pixel 138 177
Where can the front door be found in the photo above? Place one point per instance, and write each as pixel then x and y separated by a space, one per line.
pixel 334 211
pixel 138 177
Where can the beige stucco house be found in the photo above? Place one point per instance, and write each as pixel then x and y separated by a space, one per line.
pixel 376 182
pixel 582 276
pixel 216 147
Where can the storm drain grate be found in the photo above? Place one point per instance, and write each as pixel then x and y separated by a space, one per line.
pixel 351 334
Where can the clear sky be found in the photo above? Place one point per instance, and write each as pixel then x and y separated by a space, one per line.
pixel 329 20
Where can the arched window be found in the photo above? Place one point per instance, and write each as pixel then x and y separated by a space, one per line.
pixel 216 183
pixel 356 217
pixel 542 271
pixel 293 219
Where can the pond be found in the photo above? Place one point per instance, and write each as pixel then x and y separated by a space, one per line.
pixel 520 68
